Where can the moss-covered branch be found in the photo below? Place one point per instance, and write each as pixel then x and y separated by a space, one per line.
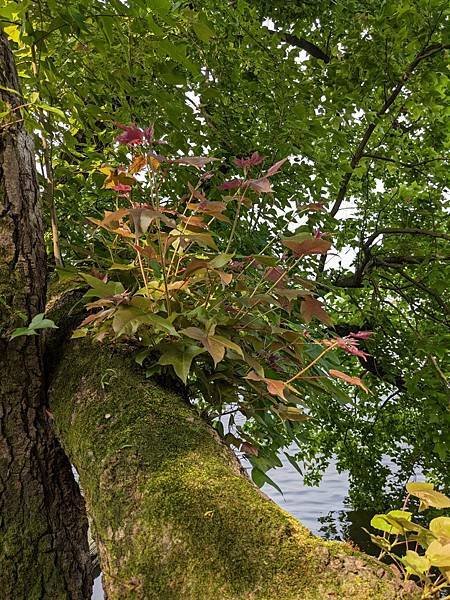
pixel 174 516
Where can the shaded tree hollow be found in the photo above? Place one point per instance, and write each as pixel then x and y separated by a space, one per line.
pixel 173 513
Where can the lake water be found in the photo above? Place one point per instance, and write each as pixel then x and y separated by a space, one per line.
pixel 315 507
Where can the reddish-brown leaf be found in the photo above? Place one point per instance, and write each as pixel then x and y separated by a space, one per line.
pixel 310 245
pixel 275 387
pixel 275 167
pixel 348 379
pixel 137 164
pixel 249 449
pixel 260 186
pixel 311 307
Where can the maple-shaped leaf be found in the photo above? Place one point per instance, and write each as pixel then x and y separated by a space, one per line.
pixel 213 345
pixel 276 275
pixel 147 251
pixel 143 217
pixel 232 184
pixel 349 379
pixel 213 208
pixel 115 179
pixel 311 307
pixel 302 245
pixel 193 221
pixel 249 161
pixel 195 265
pixel 137 164
pixel 275 167
pixel 203 239
pixel 180 357
pixel 260 186
pixel 131 135
pixel 115 216
pixel 275 387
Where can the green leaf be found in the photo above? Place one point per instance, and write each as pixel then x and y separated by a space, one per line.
pixel 180 357
pixel 52 109
pixel 161 7
pixel 141 356
pixel 66 273
pixel 79 333
pixel 261 478
pixel 122 267
pixel 22 331
pixel 39 322
pixel 203 31
pixel 388 521
pixel 100 289
pixel 228 344
pixel 220 261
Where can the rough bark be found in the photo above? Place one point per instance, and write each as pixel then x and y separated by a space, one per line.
pixel 174 516
pixel 44 552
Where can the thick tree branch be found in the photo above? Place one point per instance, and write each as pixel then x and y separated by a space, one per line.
pixel 174 515
pixel 355 280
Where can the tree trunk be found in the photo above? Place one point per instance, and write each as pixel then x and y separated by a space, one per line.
pixel 174 516
pixel 44 552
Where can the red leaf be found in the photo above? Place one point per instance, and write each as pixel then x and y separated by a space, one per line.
pixel 251 161
pixel 348 379
pixel 313 308
pixel 131 135
pixel 275 167
pixel 261 186
pixel 310 245
pixel 276 275
pixel 233 184
pixel 361 335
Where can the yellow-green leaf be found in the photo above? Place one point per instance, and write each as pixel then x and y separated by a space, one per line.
pixel 441 528
pixel 416 564
pixel 439 554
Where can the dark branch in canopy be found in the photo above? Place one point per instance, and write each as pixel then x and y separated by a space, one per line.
pixel 305 45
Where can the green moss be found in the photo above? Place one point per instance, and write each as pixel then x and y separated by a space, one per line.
pixel 174 517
